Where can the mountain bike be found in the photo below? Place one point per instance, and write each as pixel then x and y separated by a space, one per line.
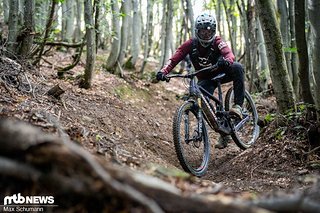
pixel 200 108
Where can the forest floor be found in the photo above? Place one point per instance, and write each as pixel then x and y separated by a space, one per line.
pixel 129 122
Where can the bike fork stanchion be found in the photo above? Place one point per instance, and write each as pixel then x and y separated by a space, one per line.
pixel 186 128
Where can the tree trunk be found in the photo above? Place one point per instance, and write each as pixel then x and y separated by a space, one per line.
pixel 63 20
pixel 228 12
pixel 69 20
pixel 41 12
pixel 79 182
pixel 245 23
pixel 77 30
pixel 279 74
pixel 28 28
pixel 294 59
pixel 97 5
pixel 6 10
pixel 264 76
pixel 13 28
pixel 284 29
pixel 136 33
pixel 126 9
pixel 190 17
pixel 166 31
pixel 299 7
pixel 314 8
pixel 91 44
pixel 46 32
pixel 115 46
pixel 147 35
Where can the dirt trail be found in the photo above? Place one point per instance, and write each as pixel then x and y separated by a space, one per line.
pixel 129 122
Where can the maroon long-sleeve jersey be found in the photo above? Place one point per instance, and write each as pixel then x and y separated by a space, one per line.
pixel 200 56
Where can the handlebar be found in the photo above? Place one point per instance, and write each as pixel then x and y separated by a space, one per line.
pixel 191 75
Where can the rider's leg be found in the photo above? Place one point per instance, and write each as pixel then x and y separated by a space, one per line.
pixel 235 73
pixel 210 87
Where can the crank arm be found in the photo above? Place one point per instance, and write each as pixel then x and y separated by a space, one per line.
pixel 241 123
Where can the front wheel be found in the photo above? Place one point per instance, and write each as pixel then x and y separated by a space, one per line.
pixel 191 144
pixel 247 130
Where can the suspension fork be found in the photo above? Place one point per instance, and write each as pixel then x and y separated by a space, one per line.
pixel 199 130
pixel 200 119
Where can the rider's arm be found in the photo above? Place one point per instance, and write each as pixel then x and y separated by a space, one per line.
pixel 224 49
pixel 178 56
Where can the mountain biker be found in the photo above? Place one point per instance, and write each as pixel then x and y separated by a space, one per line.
pixel 207 49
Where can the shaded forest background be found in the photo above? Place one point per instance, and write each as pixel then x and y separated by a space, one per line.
pixel 277 42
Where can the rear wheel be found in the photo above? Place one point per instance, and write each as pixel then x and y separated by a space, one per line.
pixel 246 130
pixel 191 146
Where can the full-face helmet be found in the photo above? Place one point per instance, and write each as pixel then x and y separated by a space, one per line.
pixel 205 29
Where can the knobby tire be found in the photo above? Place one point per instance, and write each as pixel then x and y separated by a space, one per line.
pixel 182 148
pixel 248 134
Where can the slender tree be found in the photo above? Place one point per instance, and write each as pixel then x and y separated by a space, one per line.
pixel 264 74
pixel 147 35
pixel 166 31
pixel 136 32
pixel 294 55
pixel 279 74
pixel 28 28
pixel 91 44
pixel 190 18
pixel 69 20
pixel 116 36
pixel 6 10
pixel 284 29
pixel 97 6
pixel 47 31
pixel 126 9
pixel 13 28
pixel 314 8
pixel 304 76
pixel 77 30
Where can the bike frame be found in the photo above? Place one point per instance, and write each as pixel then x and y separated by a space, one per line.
pixel 198 94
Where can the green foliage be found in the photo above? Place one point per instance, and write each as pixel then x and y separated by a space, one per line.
pixel 122 15
pixel 280 132
pixel 98 137
pixel 290 49
pixel 269 118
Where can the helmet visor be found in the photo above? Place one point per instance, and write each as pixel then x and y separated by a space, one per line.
pixel 205 33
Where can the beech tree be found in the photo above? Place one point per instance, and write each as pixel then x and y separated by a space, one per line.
pixel 28 29
pixel 91 44
pixel 302 51
pixel 314 8
pixel 116 36
pixel 279 74
pixel 166 31
pixel 136 33
pixel 13 28
pixel 126 8
pixel 147 34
